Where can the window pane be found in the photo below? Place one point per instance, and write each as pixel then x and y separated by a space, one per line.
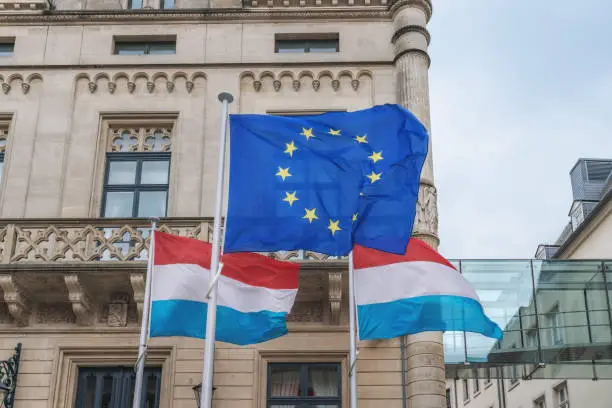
pixel 323 381
pixel 119 204
pixel 154 172
pixel 90 391
pixel 6 49
pixel 290 46
pixel 134 4
pixel 284 381
pixel 1 169
pixel 152 204
pixel 107 390
pixel 162 48
pixel 122 172
pixel 168 4
pixel 130 48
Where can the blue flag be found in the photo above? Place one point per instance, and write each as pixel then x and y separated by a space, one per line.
pixel 324 182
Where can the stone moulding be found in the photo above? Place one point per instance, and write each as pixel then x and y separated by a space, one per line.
pixel 16 83
pixel 123 82
pixel 298 80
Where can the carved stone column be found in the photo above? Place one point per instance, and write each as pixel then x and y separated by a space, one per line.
pixel 425 385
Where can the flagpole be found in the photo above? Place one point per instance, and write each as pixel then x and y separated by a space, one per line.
pixel 353 335
pixel 144 327
pixel 211 316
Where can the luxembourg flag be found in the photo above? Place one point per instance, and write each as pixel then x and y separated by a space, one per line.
pixel 255 293
pixel 416 292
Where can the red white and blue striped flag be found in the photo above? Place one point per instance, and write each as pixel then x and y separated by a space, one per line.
pixel 255 293
pixel 412 293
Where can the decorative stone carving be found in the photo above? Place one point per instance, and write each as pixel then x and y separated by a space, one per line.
pixel 257 86
pixel 296 85
pixel 112 87
pixel 150 86
pixel 3 138
pixel 189 85
pixel 334 280
pixel 17 303
pixel 335 84
pixel 276 85
pixel 355 84
pixel 6 88
pixel 25 88
pixel 170 86
pixel 82 305
pixel 426 221
pixel 131 86
pixel 316 84
pixel 118 310
pixel 92 87
pixel 139 139
pixel 138 286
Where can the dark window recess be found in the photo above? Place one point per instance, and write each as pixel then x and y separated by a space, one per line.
pixel 304 385
pixel 1 165
pixel 167 4
pixel 134 4
pixel 136 185
pixel 7 47
pixel 113 387
pixel 297 43
pixel 144 47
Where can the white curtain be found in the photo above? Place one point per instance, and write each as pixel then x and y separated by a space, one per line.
pixel 285 384
pixel 324 383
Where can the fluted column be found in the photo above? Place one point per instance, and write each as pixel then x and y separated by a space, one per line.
pixel 425 378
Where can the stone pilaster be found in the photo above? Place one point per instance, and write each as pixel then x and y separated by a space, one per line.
pixel 424 357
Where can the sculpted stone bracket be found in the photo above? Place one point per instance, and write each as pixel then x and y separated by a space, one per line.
pixel 18 304
pixel 123 82
pixel 11 84
pixel 82 304
pixel 298 81
pixel 137 281
pixel 334 281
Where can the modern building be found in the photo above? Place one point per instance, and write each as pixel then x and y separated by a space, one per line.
pixel 109 115
pixel 557 348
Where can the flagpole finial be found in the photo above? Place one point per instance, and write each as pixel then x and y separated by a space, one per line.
pixel 226 96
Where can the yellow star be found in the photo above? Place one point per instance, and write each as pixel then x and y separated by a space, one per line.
pixel 307 133
pixel 333 226
pixel 310 215
pixel 290 198
pixel 290 148
pixel 361 139
pixel 355 217
pixel 283 173
pixel 334 132
pixel 374 177
pixel 375 156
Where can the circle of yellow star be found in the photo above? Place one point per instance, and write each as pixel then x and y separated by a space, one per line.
pixel 307 133
pixel 375 156
pixel 290 148
pixel 310 215
pixel 290 198
pixel 283 173
pixel 374 177
pixel 334 132
pixel 361 139
pixel 355 217
pixel 333 226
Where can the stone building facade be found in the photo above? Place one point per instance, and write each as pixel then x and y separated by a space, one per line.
pixel 109 114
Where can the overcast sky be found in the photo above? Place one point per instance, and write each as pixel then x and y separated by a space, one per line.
pixel 519 91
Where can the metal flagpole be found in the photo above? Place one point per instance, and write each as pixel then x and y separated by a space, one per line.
pixel 211 316
pixel 144 328
pixel 353 334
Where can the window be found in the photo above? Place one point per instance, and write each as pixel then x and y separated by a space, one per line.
pixel 3 144
pixel 304 385
pixel 487 380
pixel 294 43
pixel 7 47
pixel 167 4
pixel 554 325
pixel 134 4
pixel 136 185
pixel 531 340
pixel 476 383
pixel 561 396
pixel 449 403
pixel 466 390
pixel 540 402
pixel 104 387
pixel 156 47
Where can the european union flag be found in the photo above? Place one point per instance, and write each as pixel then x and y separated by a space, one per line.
pixel 324 182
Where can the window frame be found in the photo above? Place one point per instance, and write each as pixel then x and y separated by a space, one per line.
pixel 10 43
pixel 136 188
pixel 300 401
pixel 309 41
pixel 540 402
pixel 466 390
pixel 557 393
pixel 146 46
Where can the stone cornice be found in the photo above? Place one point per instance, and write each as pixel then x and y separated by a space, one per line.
pixel 413 50
pixel 82 17
pixel 411 29
pixel 425 5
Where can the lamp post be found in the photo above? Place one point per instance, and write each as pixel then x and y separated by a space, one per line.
pixel 197 390
pixel 8 378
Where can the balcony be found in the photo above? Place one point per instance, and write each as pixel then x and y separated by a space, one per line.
pixel 91 272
